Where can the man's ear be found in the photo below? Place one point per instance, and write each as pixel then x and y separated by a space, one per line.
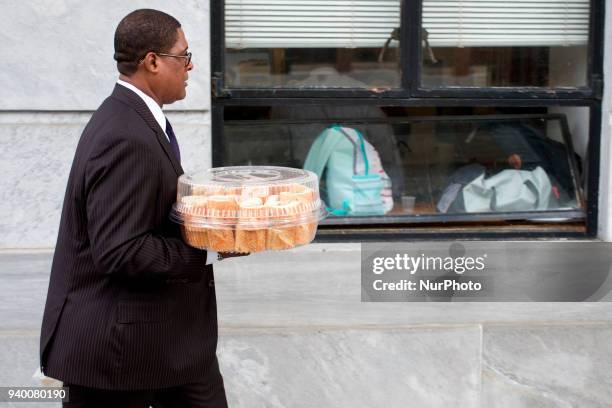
pixel 151 62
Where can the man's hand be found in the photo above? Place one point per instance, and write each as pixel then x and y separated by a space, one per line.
pixel 224 255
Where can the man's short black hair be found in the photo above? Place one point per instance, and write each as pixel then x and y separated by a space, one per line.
pixel 140 32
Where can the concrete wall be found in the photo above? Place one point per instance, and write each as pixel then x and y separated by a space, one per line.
pixel 294 334
pixel 57 68
pixel 58 55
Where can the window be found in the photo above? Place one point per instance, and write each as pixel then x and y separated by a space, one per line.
pixel 480 117
pixel 537 43
pixel 277 43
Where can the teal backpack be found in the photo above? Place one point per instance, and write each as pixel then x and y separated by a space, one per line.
pixel 353 181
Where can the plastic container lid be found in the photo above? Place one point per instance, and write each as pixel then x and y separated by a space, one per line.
pixel 248 197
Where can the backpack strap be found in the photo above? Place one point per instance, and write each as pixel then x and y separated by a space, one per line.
pixel 361 146
pixel 321 150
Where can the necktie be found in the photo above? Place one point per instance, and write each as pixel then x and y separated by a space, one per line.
pixel 173 143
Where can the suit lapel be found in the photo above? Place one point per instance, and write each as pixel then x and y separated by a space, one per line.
pixel 124 94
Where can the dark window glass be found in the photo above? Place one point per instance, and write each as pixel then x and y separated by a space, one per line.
pixel 312 44
pixel 539 43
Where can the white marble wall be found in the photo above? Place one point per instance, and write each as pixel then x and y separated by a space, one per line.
pixel 58 69
pixel 58 55
pixel 306 340
pixel 300 337
pixel 37 154
pixel 434 368
pixel 547 366
pixel 475 366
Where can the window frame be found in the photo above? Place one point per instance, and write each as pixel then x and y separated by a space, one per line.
pixel 412 94
pixel 410 56
pixel 593 89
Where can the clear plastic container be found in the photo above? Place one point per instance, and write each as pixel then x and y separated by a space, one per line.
pixel 248 208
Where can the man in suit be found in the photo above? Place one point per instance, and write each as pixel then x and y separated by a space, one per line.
pixel 131 318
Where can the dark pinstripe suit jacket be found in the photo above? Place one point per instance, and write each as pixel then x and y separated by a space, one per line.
pixel 129 306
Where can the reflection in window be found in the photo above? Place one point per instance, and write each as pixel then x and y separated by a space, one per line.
pixel 310 44
pixel 540 43
pixel 355 44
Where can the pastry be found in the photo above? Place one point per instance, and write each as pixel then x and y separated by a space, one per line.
pixel 271 200
pixel 192 211
pixel 221 239
pixel 215 190
pixel 196 236
pixel 194 205
pixel 232 191
pixel 303 195
pixel 279 238
pixel 222 206
pixel 194 200
pixel 261 192
pixel 200 190
pixel 305 231
pixel 249 219
pixel 282 236
pixel 251 226
pixel 222 213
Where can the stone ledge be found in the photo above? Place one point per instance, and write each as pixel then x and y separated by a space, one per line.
pixel 259 292
pixel 472 366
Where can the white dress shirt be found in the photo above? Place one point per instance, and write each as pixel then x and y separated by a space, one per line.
pixel 158 114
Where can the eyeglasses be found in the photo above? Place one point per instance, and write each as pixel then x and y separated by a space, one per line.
pixel 186 56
